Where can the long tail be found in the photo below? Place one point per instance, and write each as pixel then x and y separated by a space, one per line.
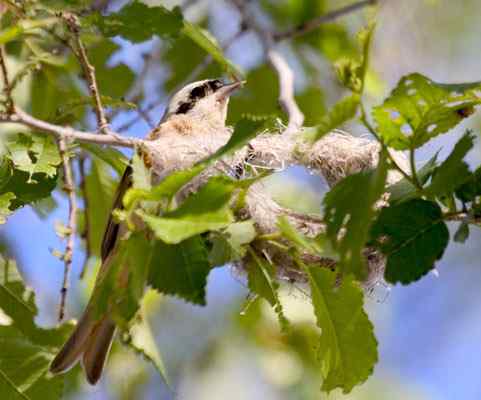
pixel 92 339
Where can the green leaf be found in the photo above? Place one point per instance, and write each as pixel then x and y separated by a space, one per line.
pixel 142 342
pixel 261 276
pixel 204 40
pixel 109 155
pixel 355 217
pixel 469 190
pixel 100 189
pixel 462 233
pixel 244 131
pixel 348 347
pixel 404 190
pixel 420 109
pixel 112 81
pixel 342 112
pixel 205 210
pixel 27 350
pixel 413 236
pixel 5 200
pixel 453 172
pixel 138 22
pixel 181 269
pixel 34 154
pixel 141 175
pixel 317 246
pixel 229 245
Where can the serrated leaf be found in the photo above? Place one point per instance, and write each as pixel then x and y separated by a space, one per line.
pixel 181 269
pixel 261 276
pixel 420 109
pixel 205 210
pixel 34 154
pixel 348 347
pixel 355 217
pixel 453 172
pixel 342 111
pixel 413 236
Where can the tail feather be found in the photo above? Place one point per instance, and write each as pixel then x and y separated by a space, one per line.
pixel 75 345
pixel 97 348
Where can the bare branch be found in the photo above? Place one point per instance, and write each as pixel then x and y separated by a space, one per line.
pixel 71 225
pixel 279 64
pixel 7 89
pixel 89 72
pixel 111 138
pixel 315 23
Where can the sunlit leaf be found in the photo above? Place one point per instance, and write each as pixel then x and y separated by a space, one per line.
pixel 348 347
pixel 203 211
pixel 420 109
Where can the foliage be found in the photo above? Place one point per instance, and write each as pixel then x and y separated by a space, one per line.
pixel 170 243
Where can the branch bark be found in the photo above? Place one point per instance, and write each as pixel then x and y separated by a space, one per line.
pixel 280 66
pixel 89 72
pixel 69 188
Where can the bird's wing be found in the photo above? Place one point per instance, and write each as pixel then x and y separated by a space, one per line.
pixel 112 230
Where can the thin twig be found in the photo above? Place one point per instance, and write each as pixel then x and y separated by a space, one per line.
pixel 89 72
pixel 86 231
pixel 111 138
pixel 6 82
pixel 315 23
pixel 280 66
pixel 72 223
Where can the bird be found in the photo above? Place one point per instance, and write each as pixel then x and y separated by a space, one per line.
pixel 195 114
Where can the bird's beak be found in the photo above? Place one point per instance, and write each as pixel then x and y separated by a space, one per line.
pixel 225 91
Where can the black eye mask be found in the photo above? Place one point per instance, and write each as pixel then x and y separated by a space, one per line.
pixel 198 93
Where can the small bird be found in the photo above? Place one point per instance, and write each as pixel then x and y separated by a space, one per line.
pixel 196 113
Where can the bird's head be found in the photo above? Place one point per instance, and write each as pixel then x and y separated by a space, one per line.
pixel 205 101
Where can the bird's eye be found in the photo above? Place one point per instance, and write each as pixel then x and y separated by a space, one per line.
pixel 184 107
pixel 198 92
pixel 215 84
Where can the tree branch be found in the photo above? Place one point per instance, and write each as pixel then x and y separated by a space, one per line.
pixel 280 66
pixel 89 72
pixel 315 23
pixel 71 225
pixel 7 89
pixel 63 132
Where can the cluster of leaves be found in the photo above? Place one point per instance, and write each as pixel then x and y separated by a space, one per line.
pixel 181 243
